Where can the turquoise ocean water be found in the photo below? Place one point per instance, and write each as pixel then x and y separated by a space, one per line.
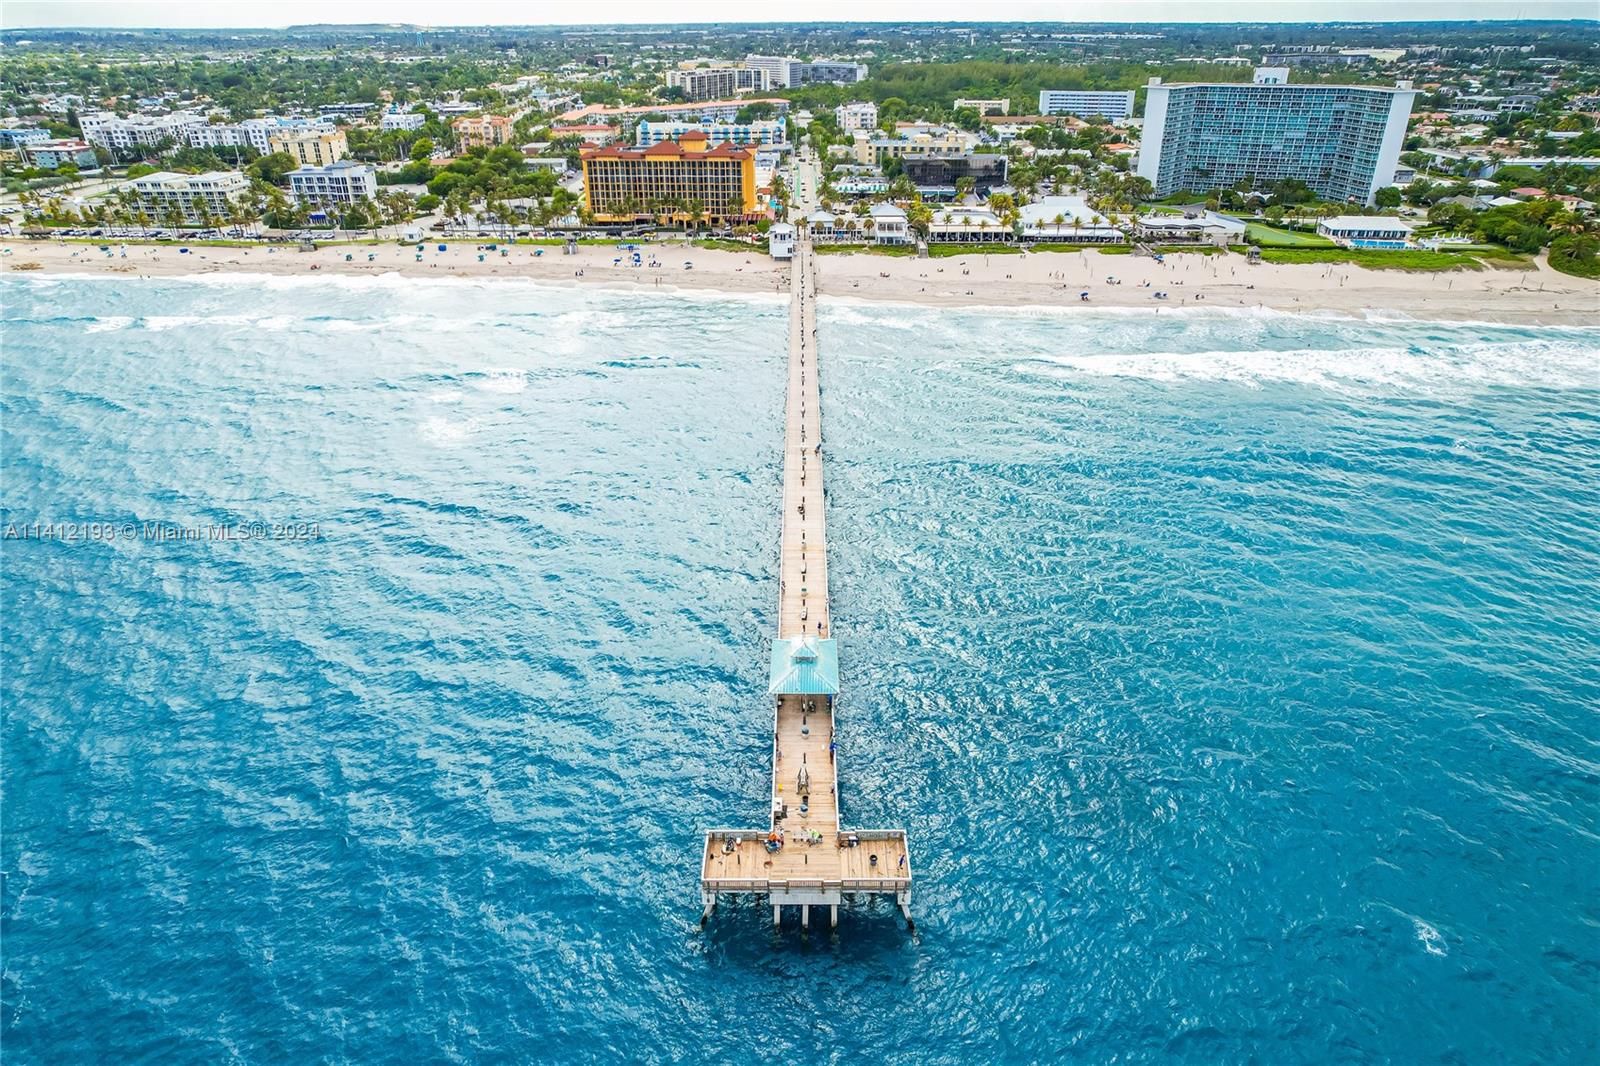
pixel 1235 676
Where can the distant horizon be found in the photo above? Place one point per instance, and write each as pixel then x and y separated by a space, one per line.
pixel 489 14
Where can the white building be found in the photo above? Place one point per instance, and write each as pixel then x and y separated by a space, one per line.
pixel 1066 218
pixel 856 116
pixel 716 83
pixel 158 193
pixel 402 120
pixel 889 224
pixel 739 134
pixel 343 182
pixel 1206 227
pixel 776 68
pixel 785 72
pixel 253 133
pixel 555 164
pixel 966 225
pixel 780 241
pixel 984 107
pixel 1366 231
pixel 1084 103
pixel 106 130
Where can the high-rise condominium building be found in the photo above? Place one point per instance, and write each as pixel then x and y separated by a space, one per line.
pixel 1343 141
pixel 714 83
pixel 664 178
pixel 785 72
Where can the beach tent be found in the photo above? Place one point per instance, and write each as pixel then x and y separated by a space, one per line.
pixel 804 666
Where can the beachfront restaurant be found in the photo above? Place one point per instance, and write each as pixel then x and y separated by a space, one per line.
pixel 1066 218
pixel 967 225
pixel 1207 227
pixel 1366 231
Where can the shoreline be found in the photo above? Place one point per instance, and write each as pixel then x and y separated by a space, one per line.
pixel 1047 282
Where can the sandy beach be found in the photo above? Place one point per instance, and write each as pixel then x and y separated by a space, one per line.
pixel 1535 294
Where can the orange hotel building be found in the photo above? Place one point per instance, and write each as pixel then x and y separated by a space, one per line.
pixel 668 172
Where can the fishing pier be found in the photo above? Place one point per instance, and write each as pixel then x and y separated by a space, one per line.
pixel 804 858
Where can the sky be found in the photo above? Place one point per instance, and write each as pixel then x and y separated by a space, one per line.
pixel 250 13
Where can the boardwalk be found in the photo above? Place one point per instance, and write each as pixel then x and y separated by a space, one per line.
pixel 817 861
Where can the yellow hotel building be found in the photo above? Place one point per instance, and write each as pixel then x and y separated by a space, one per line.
pixel 311 148
pixel 627 183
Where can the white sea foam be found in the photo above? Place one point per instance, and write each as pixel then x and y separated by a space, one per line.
pixel 446 431
pixel 1558 364
pixel 109 324
pixel 1430 938
pixel 506 380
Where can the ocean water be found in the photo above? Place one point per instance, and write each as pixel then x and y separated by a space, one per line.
pixel 1236 678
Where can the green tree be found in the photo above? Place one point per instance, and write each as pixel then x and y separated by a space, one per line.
pixel 1387 197
pixel 273 169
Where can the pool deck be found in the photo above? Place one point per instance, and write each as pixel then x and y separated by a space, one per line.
pixel 818 861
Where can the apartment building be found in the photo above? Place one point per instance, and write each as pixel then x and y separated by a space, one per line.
pixel 105 129
pixel 739 134
pixel 311 147
pixel 1343 141
pixel 827 71
pixel 483 131
pixel 704 111
pixel 785 72
pixel 875 151
pixel 623 183
pixel 402 120
pixel 1085 103
pixel 51 155
pixel 16 137
pixel 344 182
pixel 856 116
pixel 984 107
pixel 254 133
pixel 191 195
pixel 713 83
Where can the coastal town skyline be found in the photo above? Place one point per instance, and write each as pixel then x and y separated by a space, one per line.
pixel 182 14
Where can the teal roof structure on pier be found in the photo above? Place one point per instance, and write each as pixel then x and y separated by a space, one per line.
pixel 805 666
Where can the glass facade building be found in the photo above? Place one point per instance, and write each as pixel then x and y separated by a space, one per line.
pixel 1343 141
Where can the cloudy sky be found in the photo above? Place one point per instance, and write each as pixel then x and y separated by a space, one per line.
pixel 210 13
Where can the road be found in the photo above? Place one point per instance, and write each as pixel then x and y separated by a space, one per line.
pixel 805 183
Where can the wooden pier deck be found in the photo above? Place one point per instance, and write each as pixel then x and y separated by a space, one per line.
pixel 818 861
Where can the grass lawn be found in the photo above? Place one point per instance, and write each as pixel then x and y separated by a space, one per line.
pixel 940 251
pixel 721 244
pixel 1063 246
pixel 1373 258
pixel 866 249
pixel 1273 237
